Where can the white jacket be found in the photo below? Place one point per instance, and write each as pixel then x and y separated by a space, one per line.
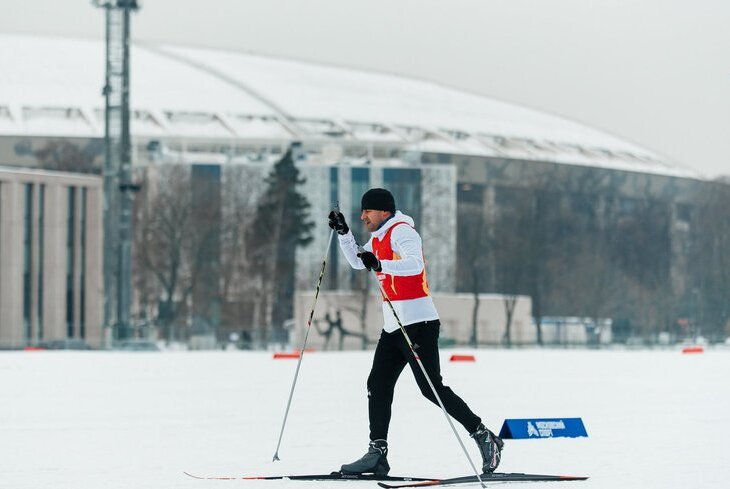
pixel 406 242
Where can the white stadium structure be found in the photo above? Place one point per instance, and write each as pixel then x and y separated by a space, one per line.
pixel 355 129
pixel 52 87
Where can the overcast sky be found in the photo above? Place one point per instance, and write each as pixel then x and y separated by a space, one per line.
pixel 654 72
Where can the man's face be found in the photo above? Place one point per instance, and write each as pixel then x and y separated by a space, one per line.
pixel 372 218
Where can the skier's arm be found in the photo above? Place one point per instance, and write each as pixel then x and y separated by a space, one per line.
pixel 348 245
pixel 349 248
pixel 406 242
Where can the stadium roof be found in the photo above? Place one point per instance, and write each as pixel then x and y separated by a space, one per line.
pixel 53 87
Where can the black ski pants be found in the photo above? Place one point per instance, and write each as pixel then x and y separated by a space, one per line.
pixel 391 356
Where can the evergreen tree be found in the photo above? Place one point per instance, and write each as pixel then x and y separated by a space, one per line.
pixel 280 226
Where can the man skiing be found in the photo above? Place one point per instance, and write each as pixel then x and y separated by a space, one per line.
pixel 395 253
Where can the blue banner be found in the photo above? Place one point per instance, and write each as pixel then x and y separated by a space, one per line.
pixel 543 428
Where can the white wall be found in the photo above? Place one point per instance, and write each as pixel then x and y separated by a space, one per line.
pixel 455 311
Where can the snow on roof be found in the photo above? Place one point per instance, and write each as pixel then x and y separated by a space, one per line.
pixel 85 178
pixel 52 86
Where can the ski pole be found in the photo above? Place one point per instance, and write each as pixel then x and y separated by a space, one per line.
pixel 304 344
pixel 428 379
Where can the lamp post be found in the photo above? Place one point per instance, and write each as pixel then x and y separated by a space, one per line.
pixel 118 186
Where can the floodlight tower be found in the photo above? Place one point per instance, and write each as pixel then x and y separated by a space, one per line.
pixel 118 185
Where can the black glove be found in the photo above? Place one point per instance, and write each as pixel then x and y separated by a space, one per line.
pixel 370 261
pixel 337 222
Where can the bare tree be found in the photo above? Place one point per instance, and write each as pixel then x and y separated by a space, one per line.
pixel 241 189
pixel 709 296
pixel 474 246
pixel 522 248
pixel 173 241
pixel 62 155
pixel 509 301
pixel 362 286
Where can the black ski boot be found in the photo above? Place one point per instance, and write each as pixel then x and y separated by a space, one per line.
pixel 373 462
pixel 490 446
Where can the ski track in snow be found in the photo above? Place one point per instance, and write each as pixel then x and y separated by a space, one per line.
pixel 655 419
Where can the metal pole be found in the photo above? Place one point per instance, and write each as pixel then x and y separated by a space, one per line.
pixel 125 188
pixel 118 186
pixel 304 344
pixel 109 187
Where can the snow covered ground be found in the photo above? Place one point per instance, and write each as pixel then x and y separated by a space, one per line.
pixel 656 419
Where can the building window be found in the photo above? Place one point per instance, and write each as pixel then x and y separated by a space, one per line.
pixel 70 238
pixel 628 206
pixel 405 185
pixel 82 282
pixel 206 216
pixel 1 227
pixel 684 212
pixel 470 193
pixel 512 198
pixel 360 184
pixel 27 261
pixel 41 237
pixel 334 252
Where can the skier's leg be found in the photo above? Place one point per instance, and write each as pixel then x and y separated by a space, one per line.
pixel 424 337
pixel 388 363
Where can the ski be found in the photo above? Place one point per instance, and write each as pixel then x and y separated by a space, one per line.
pixel 495 477
pixel 316 477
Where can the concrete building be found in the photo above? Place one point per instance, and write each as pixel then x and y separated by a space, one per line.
pixel 50 257
pixel 455 311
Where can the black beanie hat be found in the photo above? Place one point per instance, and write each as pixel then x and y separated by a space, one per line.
pixel 378 199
